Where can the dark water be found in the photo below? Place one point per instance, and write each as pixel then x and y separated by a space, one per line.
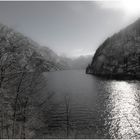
pixel 88 107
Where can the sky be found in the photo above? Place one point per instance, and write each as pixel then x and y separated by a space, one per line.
pixel 70 28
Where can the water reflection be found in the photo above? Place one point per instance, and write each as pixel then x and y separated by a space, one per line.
pixel 98 108
pixel 123 110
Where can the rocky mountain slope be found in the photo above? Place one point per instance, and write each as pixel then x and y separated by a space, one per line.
pixel 119 55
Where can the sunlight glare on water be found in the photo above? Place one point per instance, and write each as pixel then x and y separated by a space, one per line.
pixel 123 109
pixel 100 108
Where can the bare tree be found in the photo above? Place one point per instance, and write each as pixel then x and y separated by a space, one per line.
pixel 67 106
pixel 21 66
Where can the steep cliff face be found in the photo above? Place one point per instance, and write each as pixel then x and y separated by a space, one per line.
pixel 119 54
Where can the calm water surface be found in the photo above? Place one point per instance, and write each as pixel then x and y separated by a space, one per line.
pixel 89 107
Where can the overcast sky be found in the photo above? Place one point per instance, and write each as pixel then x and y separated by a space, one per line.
pixel 70 28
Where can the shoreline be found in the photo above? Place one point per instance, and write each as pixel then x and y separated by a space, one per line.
pixel 117 76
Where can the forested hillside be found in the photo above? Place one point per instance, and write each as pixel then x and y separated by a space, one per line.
pixel 21 82
pixel 119 54
pixel 51 56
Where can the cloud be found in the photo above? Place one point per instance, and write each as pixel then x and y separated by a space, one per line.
pixel 112 5
pixel 129 7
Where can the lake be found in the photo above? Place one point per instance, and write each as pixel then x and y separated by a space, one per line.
pixel 86 106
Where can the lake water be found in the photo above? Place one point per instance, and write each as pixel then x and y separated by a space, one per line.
pixel 90 107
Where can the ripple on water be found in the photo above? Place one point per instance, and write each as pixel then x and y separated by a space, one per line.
pixel 109 108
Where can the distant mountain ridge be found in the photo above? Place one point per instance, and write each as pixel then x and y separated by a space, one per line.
pixel 119 54
pixel 63 62
pixel 80 62
pixel 50 56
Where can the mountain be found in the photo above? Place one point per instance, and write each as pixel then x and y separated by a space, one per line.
pixel 21 85
pixel 80 62
pixel 50 56
pixel 63 62
pixel 119 55
pixel 21 51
